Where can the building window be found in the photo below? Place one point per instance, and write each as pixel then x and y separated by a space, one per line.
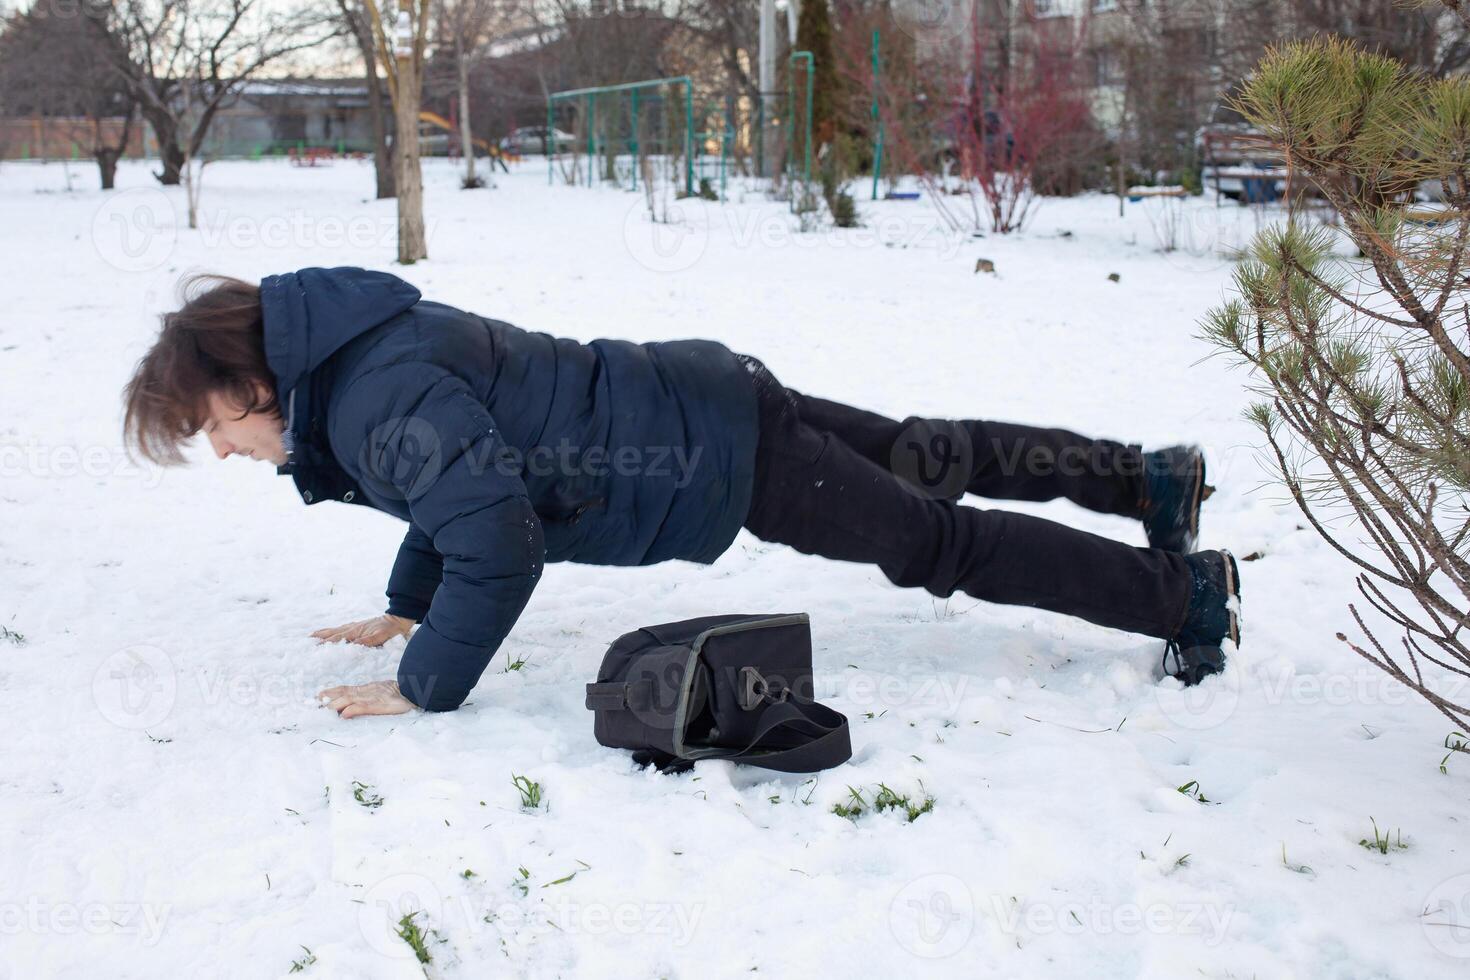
pixel 1103 6
pixel 1107 68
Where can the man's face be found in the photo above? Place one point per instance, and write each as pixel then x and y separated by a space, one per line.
pixel 233 432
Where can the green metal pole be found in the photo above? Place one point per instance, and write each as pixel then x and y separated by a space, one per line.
pixel 688 137
pixel 760 137
pixel 810 72
pixel 633 143
pixel 877 118
pixel 550 147
pixel 592 140
pixel 790 122
pixel 727 136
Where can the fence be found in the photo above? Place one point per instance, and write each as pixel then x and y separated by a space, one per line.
pixel 65 137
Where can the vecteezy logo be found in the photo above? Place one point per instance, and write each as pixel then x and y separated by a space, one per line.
pixel 1446 917
pixel 135 688
pixel 653 697
pixel 385 905
pixel 402 457
pixel 135 230
pixel 934 458
pixel 932 20
pixel 933 916
pixel 671 245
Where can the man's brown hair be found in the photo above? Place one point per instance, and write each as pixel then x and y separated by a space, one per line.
pixel 214 343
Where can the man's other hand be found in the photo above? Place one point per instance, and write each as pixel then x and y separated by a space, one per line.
pixel 369 632
pixel 377 698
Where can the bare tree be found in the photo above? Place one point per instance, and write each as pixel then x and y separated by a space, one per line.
pixel 604 43
pixel 1170 66
pixel 100 96
pixel 730 28
pixel 185 59
pixel 1418 34
pixel 403 64
pixel 992 110
pixel 354 19
pixel 469 24
pixel 58 62
pixel 1166 62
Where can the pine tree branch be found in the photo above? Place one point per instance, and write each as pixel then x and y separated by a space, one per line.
pixel 1293 486
pixel 1457 714
pixel 1457 258
pixel 1391 275
pixel 1411 574
pixel 1336 294
pixel 1381 602
pixel 1447 428
pixel 1322 404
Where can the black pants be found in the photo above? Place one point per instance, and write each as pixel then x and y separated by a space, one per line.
pixel 842 483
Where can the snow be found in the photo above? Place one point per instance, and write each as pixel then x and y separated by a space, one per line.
pixel 175 803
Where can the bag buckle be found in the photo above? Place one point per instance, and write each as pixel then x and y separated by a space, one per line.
pixel 755 689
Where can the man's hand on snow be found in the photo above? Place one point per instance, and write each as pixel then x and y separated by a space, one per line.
pixel 369 632
pixel 377 698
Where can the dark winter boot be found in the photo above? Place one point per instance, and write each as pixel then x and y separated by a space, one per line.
pixel 1213 618
pixel 1174 488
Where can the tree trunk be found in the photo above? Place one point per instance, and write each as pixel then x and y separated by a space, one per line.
pixel 107 159
pixel 108 154
pixel 166 132
pixel 355 15
pixel 173 162
pixel 383 164
pixel 382 155
pixel 466 137
pixel 192 173
pixel 411 244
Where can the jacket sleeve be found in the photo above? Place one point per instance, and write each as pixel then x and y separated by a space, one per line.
pixel 417 572
pixel 419 435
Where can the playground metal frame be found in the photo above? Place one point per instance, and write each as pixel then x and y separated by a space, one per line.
pixel 590 96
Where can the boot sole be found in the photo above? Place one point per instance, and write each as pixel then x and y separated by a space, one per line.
pixel 1201 492
pixel 1232 587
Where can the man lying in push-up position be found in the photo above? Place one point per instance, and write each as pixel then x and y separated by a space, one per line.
pixel 504 449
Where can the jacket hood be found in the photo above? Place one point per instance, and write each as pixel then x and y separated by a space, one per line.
pixel 311 314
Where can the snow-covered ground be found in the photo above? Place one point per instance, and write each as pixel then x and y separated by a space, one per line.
pixel 174 803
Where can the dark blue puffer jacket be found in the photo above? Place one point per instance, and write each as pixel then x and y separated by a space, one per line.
pixel 502 449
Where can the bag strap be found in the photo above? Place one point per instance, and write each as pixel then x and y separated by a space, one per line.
pixel 830 746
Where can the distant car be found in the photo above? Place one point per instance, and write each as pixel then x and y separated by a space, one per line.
pixel 534 139
pixel 433 144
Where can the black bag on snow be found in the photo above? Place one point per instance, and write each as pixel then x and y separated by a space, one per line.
pixel 718 687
